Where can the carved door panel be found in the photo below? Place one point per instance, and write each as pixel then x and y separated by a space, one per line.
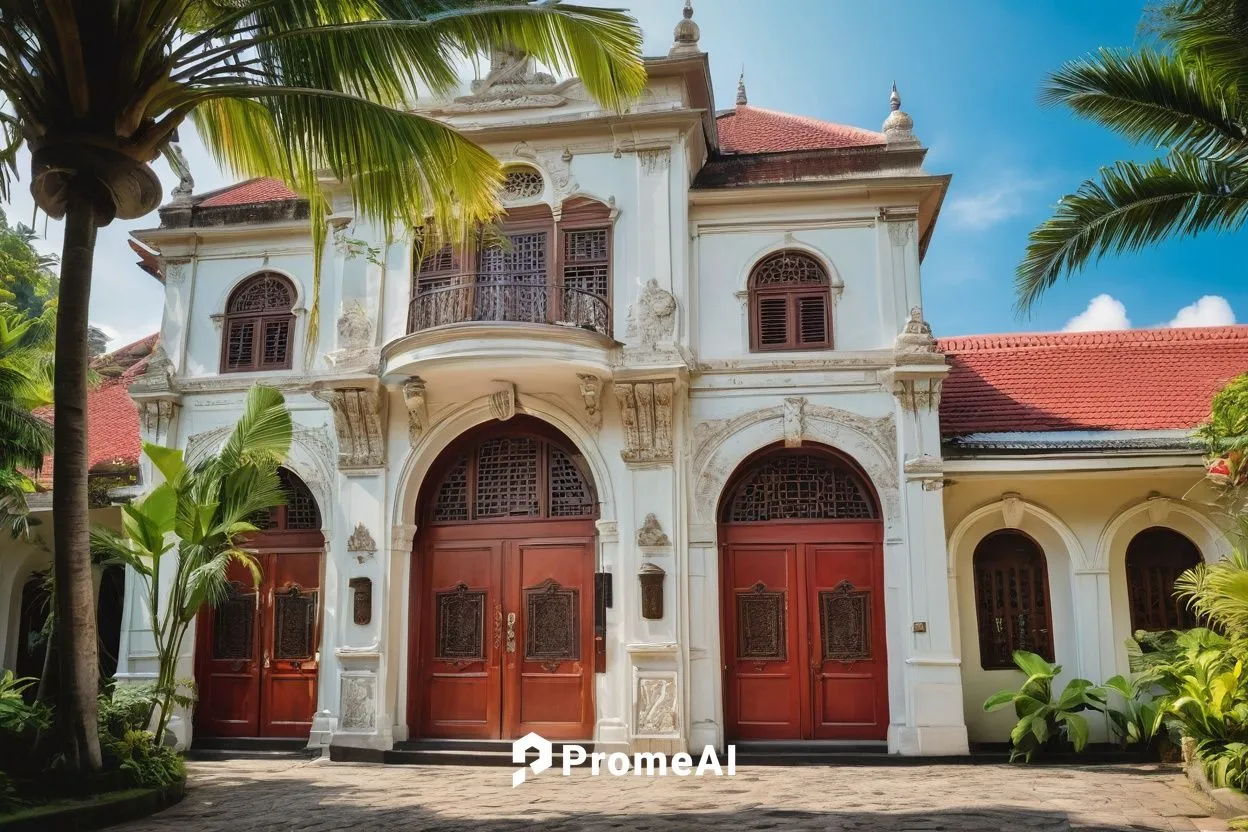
pixel 257 651
pixel 845 600
pixel 290 628
pixel 548 661
pixel 763 641
pixel 463 637
pixel 228 661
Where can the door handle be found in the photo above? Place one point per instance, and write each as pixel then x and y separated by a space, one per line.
pixel 498 626
pixel 266 659
pixel 511 632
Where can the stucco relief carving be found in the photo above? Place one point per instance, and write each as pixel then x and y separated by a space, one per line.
pixel 646 411
pixel 355 338
pixel 656 706
pixel 655 161
pixel 416 397
pixel 916 394
pixel 359 693
pixel 158 416
pixel 557 165
pixel 900 233
pixel 157 377
pixel 652 319
pixel 1158 509
pixel 651 533
pixel 1012 509
pixel 361 540
pixel 513 83
pixel 794 421
pixel 359 421
pixel 591 396
pixel 503 402
pixel 915 337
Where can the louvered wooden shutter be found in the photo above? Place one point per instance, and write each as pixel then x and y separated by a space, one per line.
pixel 276 343
pixel 773 321
pixel 812 318
pixel 240 343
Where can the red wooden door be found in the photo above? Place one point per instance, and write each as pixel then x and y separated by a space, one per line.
pixel 507 634
pixel 256 651
pixel 803 631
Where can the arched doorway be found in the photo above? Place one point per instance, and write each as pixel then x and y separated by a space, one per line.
pixel 256 650
pixel 801 560
pixel 502 590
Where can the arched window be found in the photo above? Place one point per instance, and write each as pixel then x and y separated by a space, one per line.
pixel 790 303
pixel 300 512
pixel 259 325
pixel 1155 558
pixel 799 486
pixel 1011 599
pixel 514 477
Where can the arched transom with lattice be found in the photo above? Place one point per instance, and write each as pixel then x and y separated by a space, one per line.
pixel 521 182
pixel 511 477
pixel 300 512
pixel 259 325
pixel 799 486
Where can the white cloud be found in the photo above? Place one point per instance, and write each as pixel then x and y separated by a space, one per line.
pixel 1211 310
pixel 983 209
pixel 1103 312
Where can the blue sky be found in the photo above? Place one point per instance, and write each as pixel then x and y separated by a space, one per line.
pixel 969 72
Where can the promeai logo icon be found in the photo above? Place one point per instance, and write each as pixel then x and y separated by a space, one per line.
pixel 520 752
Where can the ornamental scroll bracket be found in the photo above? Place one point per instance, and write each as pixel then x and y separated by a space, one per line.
pixel 591 397
pixel 503 401
pixel 416 397
pixel 794 421
pixel 360 422
pixel 646 411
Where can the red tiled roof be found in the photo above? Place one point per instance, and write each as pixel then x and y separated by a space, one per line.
pixel 748 129
pixel 1144 379
pixel 251 192
pixel 112 419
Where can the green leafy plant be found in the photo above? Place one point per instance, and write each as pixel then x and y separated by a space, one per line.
pixel 16 714
pixel 1141 718
pixel 182 536
pixel 1044 722
pixel 147 763
pixel 125 708
pixel 1224 765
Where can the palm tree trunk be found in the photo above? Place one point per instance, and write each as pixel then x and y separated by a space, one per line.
pixel 76 646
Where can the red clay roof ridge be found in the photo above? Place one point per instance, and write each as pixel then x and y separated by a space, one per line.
pixel 1098 338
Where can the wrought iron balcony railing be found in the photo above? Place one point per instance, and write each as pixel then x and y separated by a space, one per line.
pixel 481 298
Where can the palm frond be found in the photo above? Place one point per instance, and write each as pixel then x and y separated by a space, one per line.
pixel 264 430
pixel 1133 205
pixel 1149 96
pixel 1214 30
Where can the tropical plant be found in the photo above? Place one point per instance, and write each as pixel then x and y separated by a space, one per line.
pixel 294 89
pixel 1179 93
pixel 16 714
pixel 181 537
pixel 25 384
pixel 125 708
pixel 1044 722
pixel 1141 718
pixel 147 763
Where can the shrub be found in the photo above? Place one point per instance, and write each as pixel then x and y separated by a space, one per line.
pixel 1045 722
pixel 146 763
pixel 126 708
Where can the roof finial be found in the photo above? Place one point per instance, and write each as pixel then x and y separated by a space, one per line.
pixel 741 99
pixel 898 127
pixel 686 34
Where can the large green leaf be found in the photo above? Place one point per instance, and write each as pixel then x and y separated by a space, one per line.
pixel 168 461
pixel 1034 665
pixel 1076 729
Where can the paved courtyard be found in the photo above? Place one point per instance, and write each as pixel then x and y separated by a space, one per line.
pixel 319 796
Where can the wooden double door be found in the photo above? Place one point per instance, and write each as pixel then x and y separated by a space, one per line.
pixel 506 630
pixel 803 631
pixel 256 655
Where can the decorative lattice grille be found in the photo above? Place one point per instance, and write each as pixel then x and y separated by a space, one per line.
pixel 294 613
pixel 570 494
pixel 506 481
pixel 460 615
pixel 761 625
pixel 512 285
pixel 799 487
pixel 1156 557
pixel 1011 599
pixel 787 268
pixel 521 183
pixel 552 631
pixel 452 499
pixel 301 510
pixel 233 625
pixel 845 617
pixel 262 293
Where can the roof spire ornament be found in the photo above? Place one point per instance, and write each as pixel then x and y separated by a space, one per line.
pixel 898 127
pixel 685 36
pixel 741 99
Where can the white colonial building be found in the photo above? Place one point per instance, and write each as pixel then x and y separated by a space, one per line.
pixel 661 464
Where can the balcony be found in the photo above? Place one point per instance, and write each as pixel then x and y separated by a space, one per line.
pixel 469 328
pixel 479 298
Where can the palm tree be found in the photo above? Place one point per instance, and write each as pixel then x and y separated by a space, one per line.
pixel 1182 94
pixel 294 89
pixel 209 508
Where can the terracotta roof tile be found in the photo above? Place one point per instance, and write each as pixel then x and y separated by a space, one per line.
pixel 251 192
pixel 748 129
pixel 1151 379
pixel 112 418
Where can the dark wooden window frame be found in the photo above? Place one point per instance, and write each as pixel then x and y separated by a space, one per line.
pixel 259 319
pixel 1151 572
pixel 984 565
pixel 792 295
pixel 465 260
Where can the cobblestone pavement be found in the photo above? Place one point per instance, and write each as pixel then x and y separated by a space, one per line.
pixel 319 796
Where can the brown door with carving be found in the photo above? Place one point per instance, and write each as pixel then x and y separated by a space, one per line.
pixel 803 601
pixel 257 650
pixel 503 597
